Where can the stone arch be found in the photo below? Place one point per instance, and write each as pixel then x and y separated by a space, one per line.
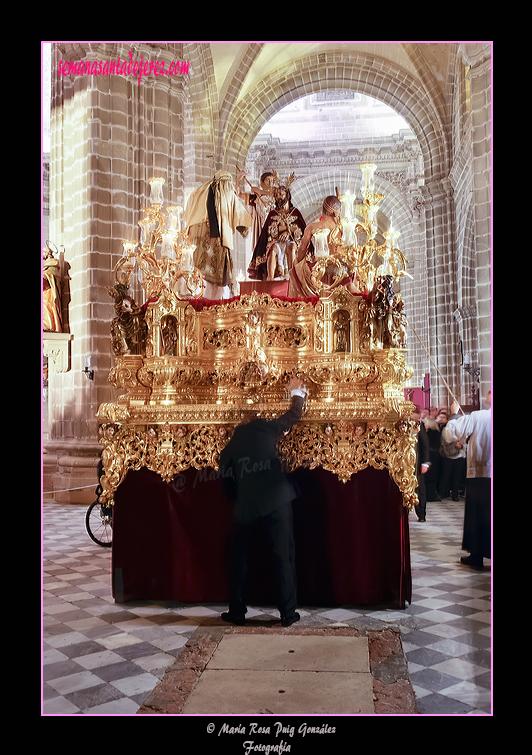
pixel 203 111
pixel 338 70
pixel 241 67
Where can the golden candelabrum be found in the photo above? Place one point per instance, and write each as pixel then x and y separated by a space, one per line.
pixel 187 371
pixel 358 248
pixel 164 257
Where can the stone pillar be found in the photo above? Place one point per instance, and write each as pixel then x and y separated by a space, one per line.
pixel 443 343
pixel 109 135
pixel 479 58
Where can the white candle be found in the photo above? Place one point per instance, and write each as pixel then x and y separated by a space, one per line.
pixel 179 212
pixel 144 231
pixel 348 236
pixel 129 246
pixel 186 258
pixel 368 171
pixel 347 201
pixel 156 185
pixel 171 220
pixel 167 249
pixel 320 242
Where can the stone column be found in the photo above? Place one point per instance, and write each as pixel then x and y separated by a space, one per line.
pixel 443 343
pixel 109 135
pixel 479 58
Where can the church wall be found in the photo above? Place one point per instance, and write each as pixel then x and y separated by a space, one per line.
pixel 471 181
pixel 108 137
pixel 480 76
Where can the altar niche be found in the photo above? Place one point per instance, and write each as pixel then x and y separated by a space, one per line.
pixel 342 335
pixel 168 345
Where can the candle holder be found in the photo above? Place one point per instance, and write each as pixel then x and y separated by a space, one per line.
pixel 164 255
pixel 355 255
pixel 156 194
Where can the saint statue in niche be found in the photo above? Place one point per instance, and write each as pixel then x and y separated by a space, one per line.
pixel 341 330
pixel 51 289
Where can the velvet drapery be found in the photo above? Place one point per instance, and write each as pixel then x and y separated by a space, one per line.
pixel 352 540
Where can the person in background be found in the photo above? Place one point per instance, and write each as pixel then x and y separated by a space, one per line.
pixel 432 478
pixel 442 418
pixel 452 466
pixel 422 463
pixel 475 429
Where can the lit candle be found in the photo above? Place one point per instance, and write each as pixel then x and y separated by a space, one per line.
pixel 129 263
pixel 186 258
pixel 156 185
pixel 129 246
pixel 395 236
pixel 171 220
pixel 144 231
pixel 368 171
pixel 347 201
pixel 179 212
pixel 348 236
pixel 320 241
pixel 391 238
pixel 167 249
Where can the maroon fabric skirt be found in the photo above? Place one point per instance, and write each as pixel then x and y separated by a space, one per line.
pixel 170 541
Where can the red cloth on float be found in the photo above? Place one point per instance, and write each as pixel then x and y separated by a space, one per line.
pixel 170 541
pixel 200 304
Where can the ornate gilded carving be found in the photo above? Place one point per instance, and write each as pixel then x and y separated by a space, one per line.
pixel 184 396
pixel 188 369
pixel 346 448
pixel 128 329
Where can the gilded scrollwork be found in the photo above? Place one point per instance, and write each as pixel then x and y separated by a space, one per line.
pixel 224 338
pixel 184 396
pixel 292 336
pixel 341 449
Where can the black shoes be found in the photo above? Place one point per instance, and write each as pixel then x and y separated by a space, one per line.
pixel 239 619
pixel 475 562
pixel 234 618
pixel 287 621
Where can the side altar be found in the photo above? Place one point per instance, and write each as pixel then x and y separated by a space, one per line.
pixel 191 368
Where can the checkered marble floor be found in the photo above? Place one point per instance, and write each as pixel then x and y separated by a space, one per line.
pixel 100 657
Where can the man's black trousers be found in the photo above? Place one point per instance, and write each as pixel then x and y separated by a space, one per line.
pixel 279 529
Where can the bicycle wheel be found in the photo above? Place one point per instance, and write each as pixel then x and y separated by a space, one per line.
pixel 99 523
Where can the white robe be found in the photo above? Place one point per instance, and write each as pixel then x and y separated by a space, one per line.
pixel 213 256
pixel 477 427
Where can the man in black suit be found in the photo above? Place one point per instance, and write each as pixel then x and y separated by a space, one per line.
pixel 253 476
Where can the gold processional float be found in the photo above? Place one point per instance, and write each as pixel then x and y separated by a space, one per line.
pixel 191 369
